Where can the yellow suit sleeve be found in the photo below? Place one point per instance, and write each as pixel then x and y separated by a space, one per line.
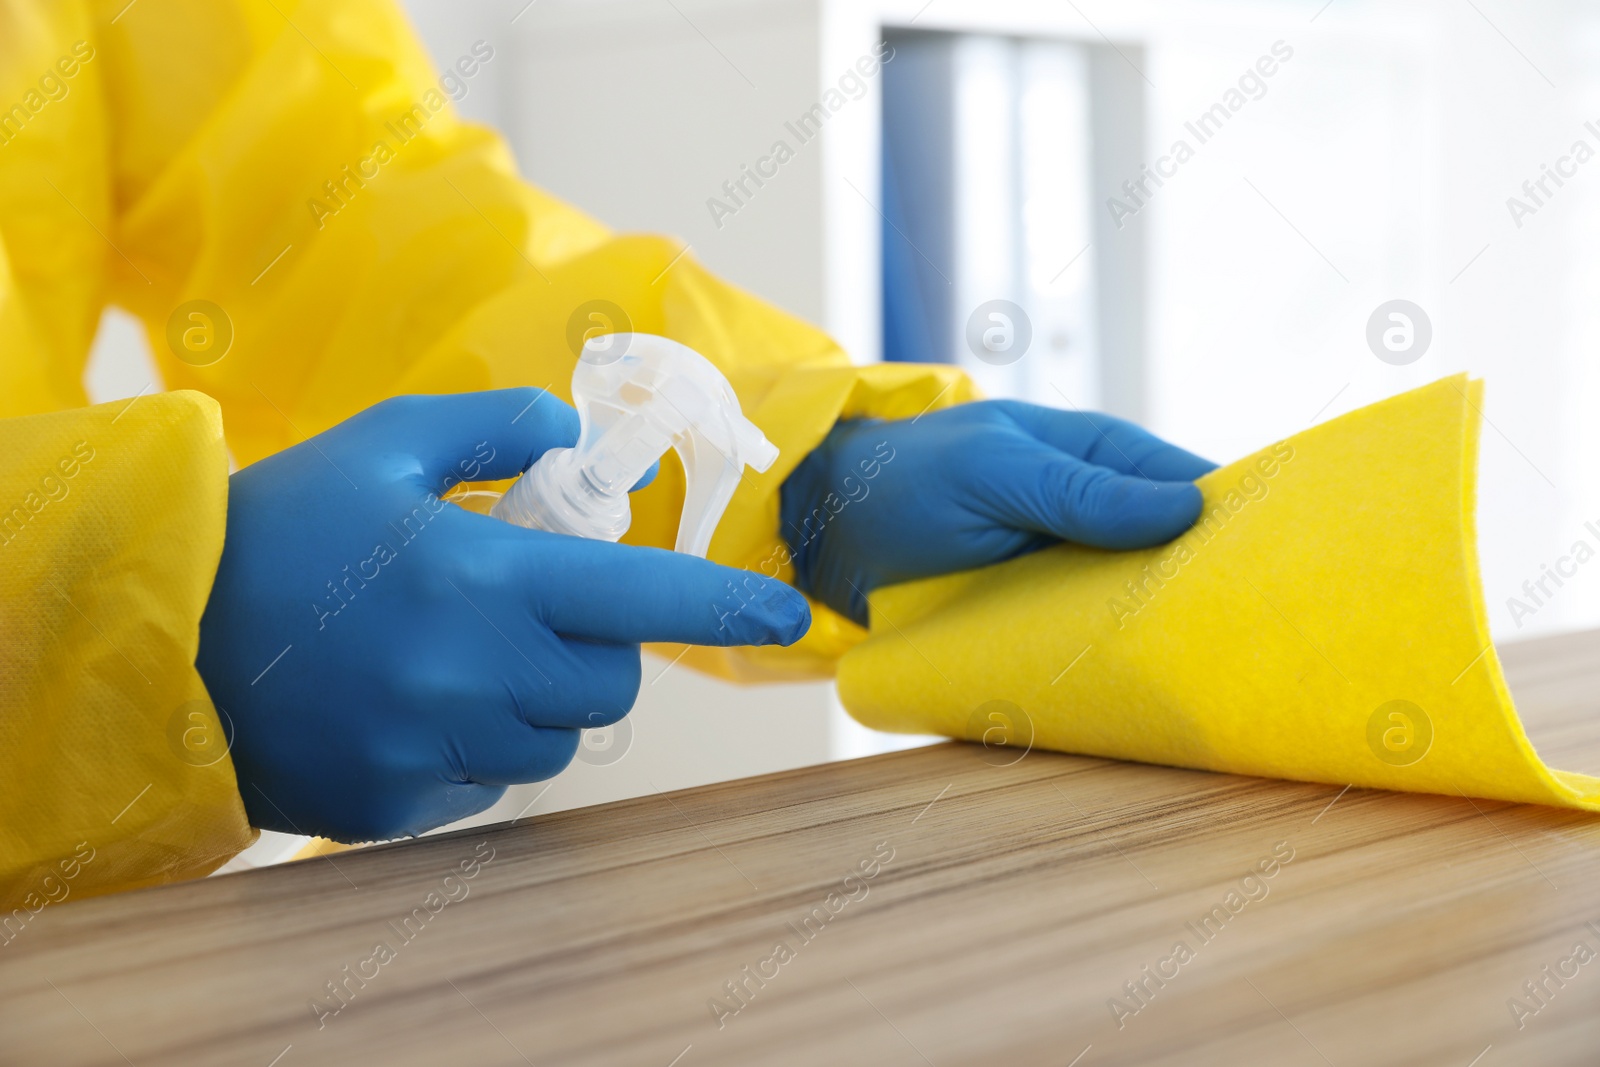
pixel 358 240
pixel 117 773
pixel 111 522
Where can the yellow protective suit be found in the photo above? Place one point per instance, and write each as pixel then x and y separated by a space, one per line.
pixel 298 166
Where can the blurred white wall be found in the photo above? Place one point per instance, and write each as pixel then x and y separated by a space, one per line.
pixel 1378 166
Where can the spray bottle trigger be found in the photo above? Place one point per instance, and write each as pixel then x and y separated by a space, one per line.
pixel 712 470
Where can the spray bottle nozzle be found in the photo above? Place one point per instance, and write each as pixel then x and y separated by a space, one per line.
pixel 638 395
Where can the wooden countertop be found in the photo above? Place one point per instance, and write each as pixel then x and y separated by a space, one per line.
pixel 1006 907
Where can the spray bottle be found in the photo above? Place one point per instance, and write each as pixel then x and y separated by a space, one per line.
pixel 638 395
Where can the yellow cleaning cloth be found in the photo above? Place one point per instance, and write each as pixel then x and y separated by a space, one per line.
pixel 1323 621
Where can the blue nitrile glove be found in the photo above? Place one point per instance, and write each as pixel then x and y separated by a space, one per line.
pixel 390 662
pixel 884 502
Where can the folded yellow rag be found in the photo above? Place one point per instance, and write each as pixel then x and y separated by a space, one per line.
pixel 1323 621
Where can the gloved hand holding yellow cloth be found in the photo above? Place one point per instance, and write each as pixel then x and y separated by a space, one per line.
pixel 1323 622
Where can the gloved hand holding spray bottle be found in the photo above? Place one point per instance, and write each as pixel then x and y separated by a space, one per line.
pixel 466 655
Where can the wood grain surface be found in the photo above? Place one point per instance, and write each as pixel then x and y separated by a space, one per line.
pixel 1006 908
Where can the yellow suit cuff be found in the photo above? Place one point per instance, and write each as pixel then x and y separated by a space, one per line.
pixel 113 525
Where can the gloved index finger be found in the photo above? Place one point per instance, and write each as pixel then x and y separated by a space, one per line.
pixel 630 594
pixel 1110 442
